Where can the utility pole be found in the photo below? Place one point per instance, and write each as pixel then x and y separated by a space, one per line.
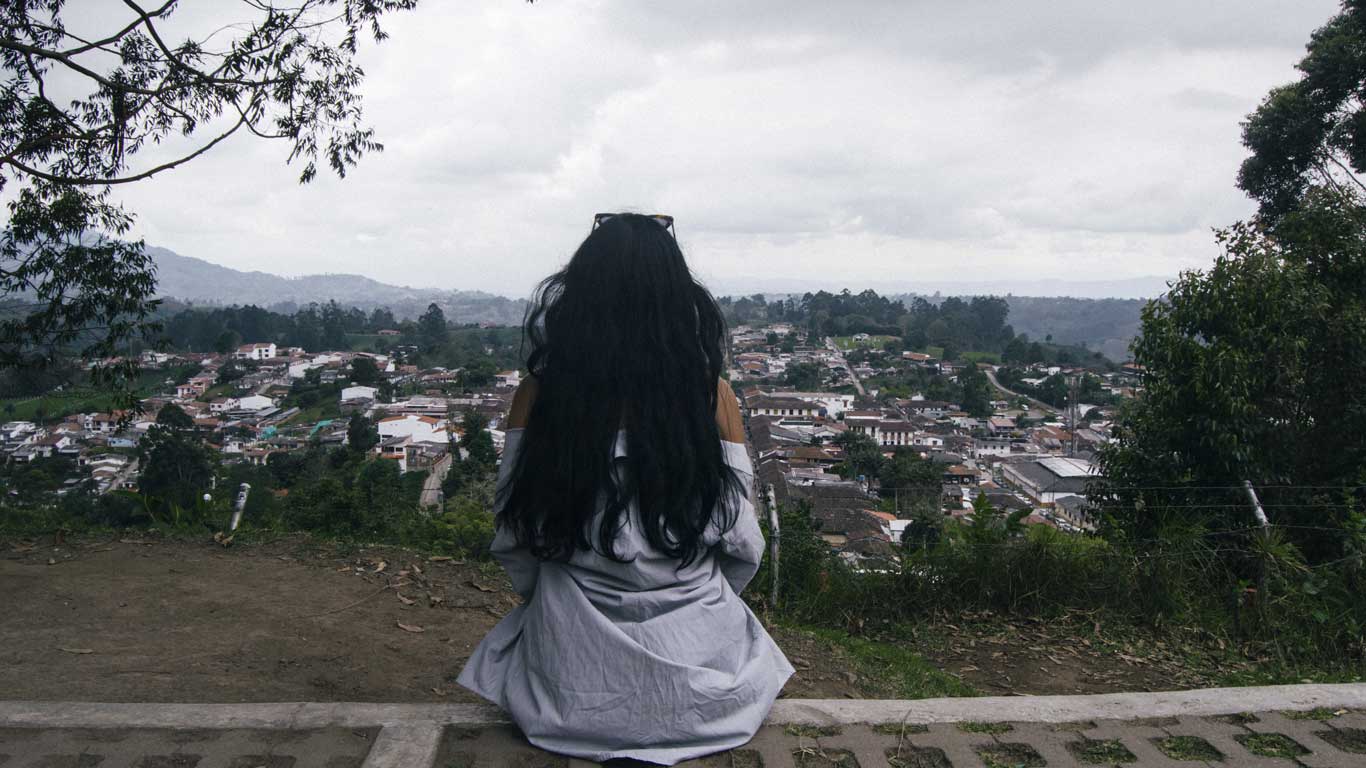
pixel 1073 388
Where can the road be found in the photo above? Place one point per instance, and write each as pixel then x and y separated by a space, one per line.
pixel 1041 405
pixel 431 487
pixel 839 358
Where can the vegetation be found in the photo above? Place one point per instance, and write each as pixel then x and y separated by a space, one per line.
pixel 68 285
pixel 1311 134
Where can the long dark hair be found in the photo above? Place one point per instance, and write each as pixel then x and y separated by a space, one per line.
pixel 622 337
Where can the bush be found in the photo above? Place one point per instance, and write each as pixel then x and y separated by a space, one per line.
pixel 1295 612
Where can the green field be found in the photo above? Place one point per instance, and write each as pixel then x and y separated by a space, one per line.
pixel 847 343
pixel 981 357
pixel 84 398
pixel 364 342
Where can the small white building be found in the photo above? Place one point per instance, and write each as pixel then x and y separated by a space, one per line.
pixel 508 378
pixel 253 403
pixel 420 429
pixel 258 351
pixel 358 393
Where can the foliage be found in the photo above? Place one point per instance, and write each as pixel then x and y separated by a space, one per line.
pixel 862 455
pixel 1312 133
pixel 177 469
pixel 977 392
pixel 66 282
pixel 172 415
pixel 431 327
pixel 805 377
pixel 1254 370
pixel 364 371
pixel 361 434
pixel 465 525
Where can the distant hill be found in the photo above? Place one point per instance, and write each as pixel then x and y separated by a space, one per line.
pixel 201 282
pixel 1104 325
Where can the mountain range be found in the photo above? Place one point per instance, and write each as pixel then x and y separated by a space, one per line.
pixel 1105 324
pixel 203 283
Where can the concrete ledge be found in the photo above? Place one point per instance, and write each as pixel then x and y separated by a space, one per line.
pixel 1036 709
pixel 1063 709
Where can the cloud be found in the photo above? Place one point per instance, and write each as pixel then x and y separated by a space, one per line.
pixel 867 140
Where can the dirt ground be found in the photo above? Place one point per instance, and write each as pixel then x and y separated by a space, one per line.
pixel 138 618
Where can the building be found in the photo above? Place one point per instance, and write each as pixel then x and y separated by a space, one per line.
pixel 1046 480
pixel 259 351
pixel 782 406
pixel 418 429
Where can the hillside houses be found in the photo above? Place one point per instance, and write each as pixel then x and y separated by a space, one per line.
pixel 1018 457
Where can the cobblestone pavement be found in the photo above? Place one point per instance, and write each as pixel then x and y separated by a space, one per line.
pixel 190 748
pixel 930 734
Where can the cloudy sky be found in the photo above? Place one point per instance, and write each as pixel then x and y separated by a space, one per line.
pixel 865 143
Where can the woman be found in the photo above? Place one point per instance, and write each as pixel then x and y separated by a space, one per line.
pixel 625 518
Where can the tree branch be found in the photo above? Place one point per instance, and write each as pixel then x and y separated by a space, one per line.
pixel 76 181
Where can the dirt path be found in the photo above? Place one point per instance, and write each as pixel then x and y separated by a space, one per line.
pixel 133 618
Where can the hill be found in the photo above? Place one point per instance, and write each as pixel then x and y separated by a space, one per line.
pixel 201 282
pixel 1104 325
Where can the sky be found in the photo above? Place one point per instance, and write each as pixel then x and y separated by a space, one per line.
pixel 867 143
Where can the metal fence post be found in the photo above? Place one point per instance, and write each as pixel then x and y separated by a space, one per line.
pixel 775 533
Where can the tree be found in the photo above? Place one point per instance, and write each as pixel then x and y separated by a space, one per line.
pixel 1312 133
pixel 976 392
pixel 175 417
pixel 227 342
pixel 862 455
pixel 68 282
pixel 432 330
pixel 1253 370
pixel 176 468
pixel 361 434
pixel 805 377
pixel 364 371
pixel 914 482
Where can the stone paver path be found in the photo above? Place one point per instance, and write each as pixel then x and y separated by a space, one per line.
pixel 1309 726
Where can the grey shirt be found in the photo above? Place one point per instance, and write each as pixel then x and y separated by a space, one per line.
pixel 638 659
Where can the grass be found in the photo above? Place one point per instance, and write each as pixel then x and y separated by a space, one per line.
pixel 363 341
pixel 1188 748
pixel 917 757
pixel 1346 739
pixel 897 728
pixel 824 758
pixel 84 398
pixel 315 413
pixel 910 675
pixel 1317 713
pixel 981 357
pixel 992 728
pixel 1108 752
pixel 1272 745
pixel 1010 756
pixel 812 731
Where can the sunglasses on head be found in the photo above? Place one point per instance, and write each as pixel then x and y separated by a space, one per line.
pixel 667 222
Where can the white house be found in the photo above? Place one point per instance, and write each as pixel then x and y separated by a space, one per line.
pixel 257 351
pixel 358 393
pixel 421 429
pixel 254 403
pixel 508 378
pixel 834 403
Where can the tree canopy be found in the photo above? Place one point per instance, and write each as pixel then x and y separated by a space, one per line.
pixel 1312 132
pixel 68 283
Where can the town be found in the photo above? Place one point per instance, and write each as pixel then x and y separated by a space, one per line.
pixel 874 438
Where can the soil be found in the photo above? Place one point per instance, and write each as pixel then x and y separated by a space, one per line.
pixel 134 617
